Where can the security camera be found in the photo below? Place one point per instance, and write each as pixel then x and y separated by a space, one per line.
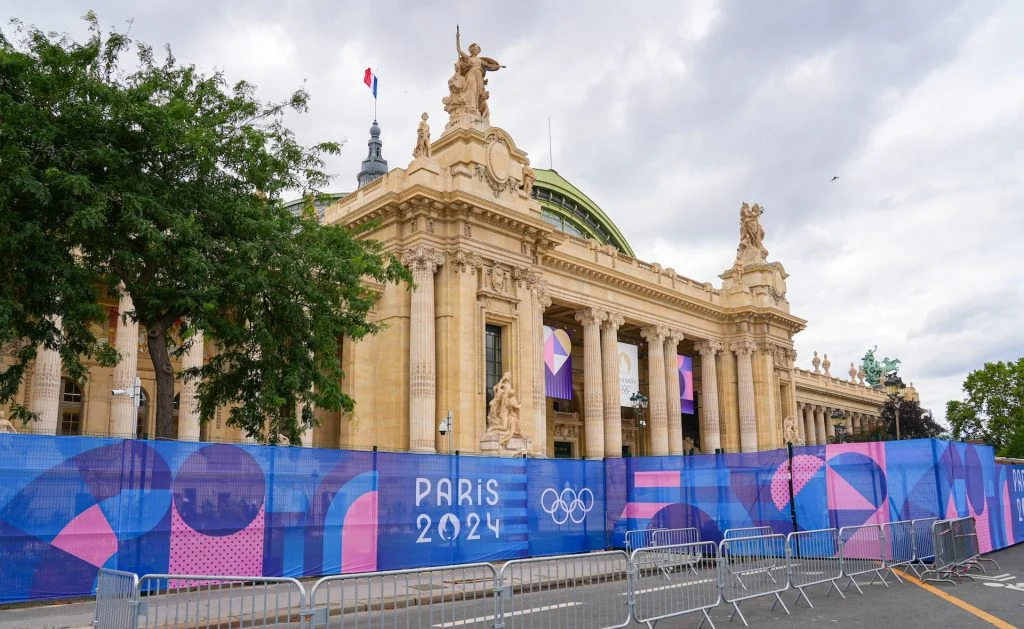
pixel 443 428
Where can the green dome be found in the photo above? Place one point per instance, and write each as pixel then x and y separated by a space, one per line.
pixel 564 206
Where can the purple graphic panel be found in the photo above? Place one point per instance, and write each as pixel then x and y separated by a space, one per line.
pixel 557 363
pixel 685 365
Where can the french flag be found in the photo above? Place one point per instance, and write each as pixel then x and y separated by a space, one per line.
pixel 371 81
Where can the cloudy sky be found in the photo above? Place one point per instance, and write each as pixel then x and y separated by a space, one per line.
pixel 670 114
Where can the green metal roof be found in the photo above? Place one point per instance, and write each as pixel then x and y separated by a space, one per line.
pixel 574 212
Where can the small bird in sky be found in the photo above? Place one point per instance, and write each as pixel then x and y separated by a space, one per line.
pixel 835 177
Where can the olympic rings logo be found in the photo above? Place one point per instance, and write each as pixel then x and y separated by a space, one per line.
pixel 567 505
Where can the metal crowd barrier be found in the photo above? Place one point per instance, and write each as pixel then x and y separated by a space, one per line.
pixel 861 552
pixel 675 546
pixel 694 588
pixel 751 567
pixel 183 600
pixel 924 551
pixel 945 564
pixel 749 531
pixel 814 558
pixel 652 584
pixel 898 545
pixel 540 592
pixel 421 597
pixel 640 538
pixel 116 600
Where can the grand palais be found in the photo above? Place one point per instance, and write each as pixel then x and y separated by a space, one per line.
pixel 533 328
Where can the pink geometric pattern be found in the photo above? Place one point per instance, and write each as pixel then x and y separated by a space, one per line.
pixel 805 466
pixel 657 479
pixel 643 510
pixel 238 554
pixel 88 537
pixel 359 535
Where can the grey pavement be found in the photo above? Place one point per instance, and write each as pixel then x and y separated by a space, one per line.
pixel 603 603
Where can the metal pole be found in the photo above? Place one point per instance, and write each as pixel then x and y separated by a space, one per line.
pixel 792 495
pixel 897 402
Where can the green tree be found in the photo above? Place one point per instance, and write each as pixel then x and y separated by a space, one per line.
pixel 915 422
pixel 993 408
pixel 167 184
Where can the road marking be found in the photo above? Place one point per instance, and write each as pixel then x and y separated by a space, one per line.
pixel 1001 577
pixel 964 605
pixel 669 587
pixel 471 621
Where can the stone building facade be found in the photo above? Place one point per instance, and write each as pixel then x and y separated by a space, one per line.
pixel 499 252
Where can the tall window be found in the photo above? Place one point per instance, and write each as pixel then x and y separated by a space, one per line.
pixel 142 420
pixel 492 358
pixel 70 408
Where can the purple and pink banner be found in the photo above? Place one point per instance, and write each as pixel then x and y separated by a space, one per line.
pixel 70 506
pixel 685 364
pixel 557 363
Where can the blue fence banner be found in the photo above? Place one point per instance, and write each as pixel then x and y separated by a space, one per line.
pixel 72 505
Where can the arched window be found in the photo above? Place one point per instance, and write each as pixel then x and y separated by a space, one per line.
pixel 142 425
pixel 70 408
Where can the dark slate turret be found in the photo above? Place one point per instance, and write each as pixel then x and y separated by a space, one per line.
pixel 374 166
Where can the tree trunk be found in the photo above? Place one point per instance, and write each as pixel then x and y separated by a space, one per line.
pixel 157 341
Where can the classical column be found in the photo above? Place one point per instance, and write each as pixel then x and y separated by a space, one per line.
pixel 744 349
pixel 540 403
pixel 610 385
pixel 423 262
pixel 710 430
pixel 123 413
pixel 819 423
pixel 672 393
pixel 46 388
pixel 593 397
pixel 806 413
pixel 855 422
pixel 655 336
pixel 188 403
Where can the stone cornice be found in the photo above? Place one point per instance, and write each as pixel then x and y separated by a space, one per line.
pixel 578 268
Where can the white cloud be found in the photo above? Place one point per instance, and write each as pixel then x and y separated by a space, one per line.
pixel 670 114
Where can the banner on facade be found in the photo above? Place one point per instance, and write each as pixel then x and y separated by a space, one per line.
pixel 557 363
pixel 629 373
pixel 685 364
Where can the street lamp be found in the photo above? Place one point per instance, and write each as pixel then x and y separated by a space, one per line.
pixel 840 427
pixel 894 387
pixel 446 428
pixel 639 401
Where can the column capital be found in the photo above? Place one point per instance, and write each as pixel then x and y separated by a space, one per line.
pixel 591 316
pixel 613 322
pixel 707 348
pixel 463 260
pixel 654 333
pixel 743 347
pixel 674 336
pixel 542 301
pixel 422 257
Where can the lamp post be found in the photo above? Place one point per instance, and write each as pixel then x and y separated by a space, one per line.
pixel 639 401
pixel 894 387
pixel 840 427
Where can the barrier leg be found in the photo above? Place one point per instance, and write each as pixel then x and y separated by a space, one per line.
pixel 854 583
pixel 992 561
pixel 802 594
pixel 880 576
pixel 736 610
pixel 779 601
pixel 707 619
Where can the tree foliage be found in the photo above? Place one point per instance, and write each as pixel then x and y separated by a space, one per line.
pixel 155 179
pixel 993 408
pixel 915 422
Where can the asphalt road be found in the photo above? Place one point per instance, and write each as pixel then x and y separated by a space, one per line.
pixel 992 599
